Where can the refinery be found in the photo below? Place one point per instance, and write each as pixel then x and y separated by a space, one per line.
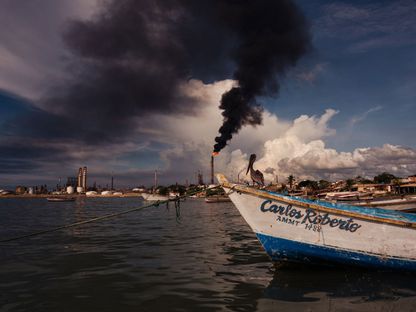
pixel 78 187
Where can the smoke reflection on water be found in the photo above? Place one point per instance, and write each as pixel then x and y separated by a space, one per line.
pixel 147 261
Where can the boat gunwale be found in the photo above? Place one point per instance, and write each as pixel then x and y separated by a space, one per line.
pixel 293 201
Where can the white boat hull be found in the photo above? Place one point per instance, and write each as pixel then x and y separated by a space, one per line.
pixel 298 230
pixel 154 197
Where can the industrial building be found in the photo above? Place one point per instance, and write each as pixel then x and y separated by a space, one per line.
pixel 82 180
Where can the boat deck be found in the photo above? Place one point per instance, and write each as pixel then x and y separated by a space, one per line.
pixel 372 212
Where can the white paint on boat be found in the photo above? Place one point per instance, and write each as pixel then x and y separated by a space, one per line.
pixel 154 197
pixel 340 229
pixel 384 240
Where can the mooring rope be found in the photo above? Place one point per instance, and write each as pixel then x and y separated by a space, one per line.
pixel 232 190
pixel 178 209
pixel 176 200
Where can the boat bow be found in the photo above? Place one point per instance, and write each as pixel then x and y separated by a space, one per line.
pixel 292 228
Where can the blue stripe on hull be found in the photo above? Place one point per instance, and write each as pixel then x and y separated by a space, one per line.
pixel 287 250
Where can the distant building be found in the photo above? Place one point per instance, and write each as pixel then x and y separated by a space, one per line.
pixel 338 185
pixel 70 189
pixel 84 178
pixel 200 178
pixel 79 182
pixel 408 188
pixel 367 187
pixel 20 190
pixel 412 178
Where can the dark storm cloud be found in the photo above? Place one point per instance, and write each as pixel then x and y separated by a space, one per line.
pixel 12 165
pixel 131 58
pixel 21 157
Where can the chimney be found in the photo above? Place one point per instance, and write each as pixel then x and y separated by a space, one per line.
pixel 79 181
pixel 212 169
pixel 84 178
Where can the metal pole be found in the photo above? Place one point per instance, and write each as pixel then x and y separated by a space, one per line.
pixel 212 169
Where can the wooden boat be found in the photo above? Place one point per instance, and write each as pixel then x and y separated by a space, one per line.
pixel 302 230
pixel 60 199
pixel 348 196
pixel 407 204
pixel 217 199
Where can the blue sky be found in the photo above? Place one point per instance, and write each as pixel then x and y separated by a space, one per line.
pixel 355 81
pixel 362 65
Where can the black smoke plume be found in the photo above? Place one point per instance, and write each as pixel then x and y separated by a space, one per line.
pixel 130 60
pixel 272 36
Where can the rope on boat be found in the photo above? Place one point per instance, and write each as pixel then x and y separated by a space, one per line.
pixel 178 210
pixel 176 200
pixel 232 190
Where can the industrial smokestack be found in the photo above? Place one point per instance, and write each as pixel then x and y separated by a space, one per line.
pixel 79 181
pixel 84 178
pixel 212 169
pixel 155 186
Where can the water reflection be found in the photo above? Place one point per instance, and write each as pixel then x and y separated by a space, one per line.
pixel 147 261
pixel 336 289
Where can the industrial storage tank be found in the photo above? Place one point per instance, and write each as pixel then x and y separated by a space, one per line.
pixel 70 189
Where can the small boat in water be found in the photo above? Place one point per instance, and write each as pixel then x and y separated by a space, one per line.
pixel 407 204
pixel 217 199
pixel 60 199
pixel 154 197
pixel 301 230
pixel 348 196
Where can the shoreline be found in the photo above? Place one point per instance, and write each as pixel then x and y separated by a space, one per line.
pixel 127 195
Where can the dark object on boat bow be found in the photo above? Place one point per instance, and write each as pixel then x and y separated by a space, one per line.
pixel 256 175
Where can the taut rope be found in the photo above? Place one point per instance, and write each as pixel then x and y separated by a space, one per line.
pixel 176 200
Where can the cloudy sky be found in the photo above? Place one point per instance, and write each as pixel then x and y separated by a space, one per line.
pixel 70 94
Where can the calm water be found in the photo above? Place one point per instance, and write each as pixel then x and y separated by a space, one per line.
pixel 150 261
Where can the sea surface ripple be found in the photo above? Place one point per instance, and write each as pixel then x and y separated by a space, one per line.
pixel 207 260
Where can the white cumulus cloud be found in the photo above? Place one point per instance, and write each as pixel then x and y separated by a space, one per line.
pixel 283 147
